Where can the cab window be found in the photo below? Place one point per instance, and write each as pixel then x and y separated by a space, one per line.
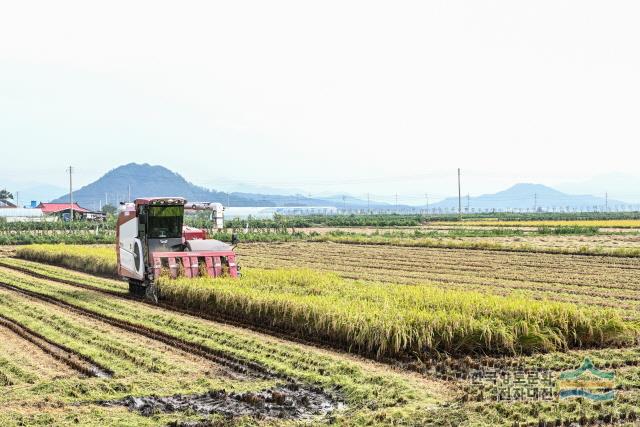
pixel 165 222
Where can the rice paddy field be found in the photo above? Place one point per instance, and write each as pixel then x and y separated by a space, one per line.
pixel 603 281
pixel 325 333
pixel 604 223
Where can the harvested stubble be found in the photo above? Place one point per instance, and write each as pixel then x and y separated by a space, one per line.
pixel 398 320
pixel 485 243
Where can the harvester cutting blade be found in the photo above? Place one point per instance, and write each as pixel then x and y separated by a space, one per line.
pixel 211 260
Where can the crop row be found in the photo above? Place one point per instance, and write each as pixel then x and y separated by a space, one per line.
pixel 120 353
pixel 91 259
pixel 395 320
pixel 525 277
pixel 382 319
pixel 604 281
pixel 488 243
pixel 597 223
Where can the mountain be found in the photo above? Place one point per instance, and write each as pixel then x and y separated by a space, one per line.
pixel 144 180
pixel 528 196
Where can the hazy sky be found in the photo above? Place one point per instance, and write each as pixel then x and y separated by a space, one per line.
pixel 322 96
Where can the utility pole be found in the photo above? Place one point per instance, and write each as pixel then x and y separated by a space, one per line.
pixel 106 199
pixel 344 203
pixel 606 202
pixel 535 201
pixel 17 198
pixel 368 203
pixel 467 202
pixel 459 196
pixel 426 196
pixel 71 191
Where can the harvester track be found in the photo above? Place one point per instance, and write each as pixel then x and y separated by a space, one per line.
pixel 238 365
pixel 235 321
pixel 69 357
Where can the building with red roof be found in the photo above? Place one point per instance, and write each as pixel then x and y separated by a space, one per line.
pixel 63 208
pixel 49 208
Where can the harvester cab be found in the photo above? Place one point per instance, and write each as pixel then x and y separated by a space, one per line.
pixel 151 238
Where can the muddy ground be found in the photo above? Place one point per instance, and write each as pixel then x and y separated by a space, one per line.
pixel 284 402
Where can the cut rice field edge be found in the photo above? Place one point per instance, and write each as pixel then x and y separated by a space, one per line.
pixel 395 320
pixel 81 280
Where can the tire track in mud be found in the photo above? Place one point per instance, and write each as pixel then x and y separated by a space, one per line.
pixel 69 357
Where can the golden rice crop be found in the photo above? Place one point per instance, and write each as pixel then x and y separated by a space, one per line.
pixel 92 259
pixel 397 320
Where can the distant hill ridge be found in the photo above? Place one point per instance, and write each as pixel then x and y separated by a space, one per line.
pixel 527 196
pixel 146 180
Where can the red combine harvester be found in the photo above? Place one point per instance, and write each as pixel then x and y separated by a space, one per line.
pixel 151 235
